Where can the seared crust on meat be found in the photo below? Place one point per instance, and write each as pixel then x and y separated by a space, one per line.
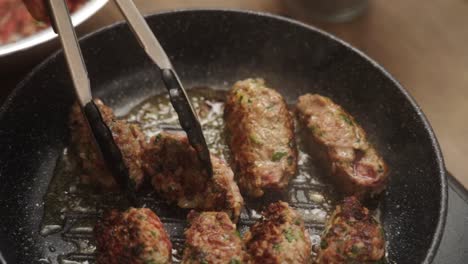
pixel 279 237
pixel 135 236
pixel 260 133
pixel 176 173
pixel 128 138
pixel 351 236
pixel 213 238
pixel 342 146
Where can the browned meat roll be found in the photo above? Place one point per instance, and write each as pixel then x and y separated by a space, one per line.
pixel 128 138
pixel 352 236
pixel 341 145
pixel 213 238
pixel 279 237
pixel 260 134
pixel 176 173
pixel 135 236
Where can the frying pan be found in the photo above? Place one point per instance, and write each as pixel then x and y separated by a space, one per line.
pixel 216 48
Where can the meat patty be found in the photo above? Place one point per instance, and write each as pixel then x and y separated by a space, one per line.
pixel 352 236
pixel 128 138
pixel 279 237
pixel 213 238
pixel 260 134
pixel 135 236
pixel 342 146
pixel 176 173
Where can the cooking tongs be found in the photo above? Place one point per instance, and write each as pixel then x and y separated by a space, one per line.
pixel 103 135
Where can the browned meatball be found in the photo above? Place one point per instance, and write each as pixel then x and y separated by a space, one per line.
pixel 279 237
pixel 128 138
pixel 212 238
pixel 260 133
pixel 351 236
pixel 341 145
pixel 176 173
pixel 135 236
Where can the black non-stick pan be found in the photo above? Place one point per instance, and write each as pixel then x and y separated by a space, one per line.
pixel 215 48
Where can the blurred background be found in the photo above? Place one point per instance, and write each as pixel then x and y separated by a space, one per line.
pixel 423 44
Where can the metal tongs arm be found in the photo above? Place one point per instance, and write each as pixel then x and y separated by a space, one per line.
pixel 111 154
pixel 187 116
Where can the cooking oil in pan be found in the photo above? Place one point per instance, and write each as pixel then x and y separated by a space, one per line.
pixel 72 209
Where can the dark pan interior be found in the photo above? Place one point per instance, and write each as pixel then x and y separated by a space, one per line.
pixel 217 48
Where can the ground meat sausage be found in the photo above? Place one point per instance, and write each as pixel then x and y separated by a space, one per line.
pixel 260 134
pixel 213 238
pixel 176 173
pixel 341 145
pixel 135 236
pixel 279 237
pixel 128 138
pixel 352 235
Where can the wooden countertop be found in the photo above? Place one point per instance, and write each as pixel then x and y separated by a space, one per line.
pixel 423 44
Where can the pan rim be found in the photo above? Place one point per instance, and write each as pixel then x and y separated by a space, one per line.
pixel 432 250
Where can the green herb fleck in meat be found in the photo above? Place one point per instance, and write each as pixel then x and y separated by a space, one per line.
pixel 290 160
pixel 157 138
pixel 313 129
pixel 382 232
pixel 277 247
pixel 289 235
pixel 380 169
pixel 255 139
pixel 235 261
pixel 277 156
pixel 355 249
pixel 39 23
pixel 346 118
pixel 316 130
pixel 141 217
